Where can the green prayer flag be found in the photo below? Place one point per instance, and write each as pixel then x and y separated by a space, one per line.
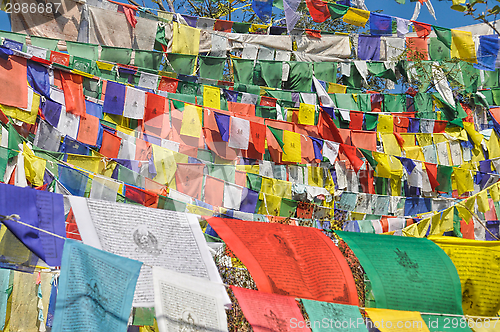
pixel 182 63
pixel 490 79
pixel 496 96
pixel 167 203
pixel 18 37
pixel 130 177
pixel 422 103
pixel 144 316
pixel 48 43
pixel 300 76
pixel 346 101
pixel 438 50
pixel 325 71
pixel 337 10
pixel 288 207
pixel 369 157
pixel 223 172
pixel 254 181
pixel 354 79
pixel 91 88
pixel 178 105
pixel 188 88
pixel 278 4
pixel 444 35
pixel 14 141
pixel 364 102
pixel 87 51
pixel 271 72
pixel 160 38
pixel 406 273
pixel 378 69
pixel 278 134
pixel 240 27
pixel 371 121
pixel 280 94
pixel 266 112
pixel 394 103
pixel 82 64
pixel 148 59
pixel 444 178
pixel 470 75
pixel 116 54
pixel 212 67
pixel 337 314
pixel 243 71
pixel 4 158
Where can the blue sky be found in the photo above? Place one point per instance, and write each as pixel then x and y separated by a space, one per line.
pixel 446 17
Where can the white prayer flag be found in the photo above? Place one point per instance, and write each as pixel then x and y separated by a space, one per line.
pixel 239 133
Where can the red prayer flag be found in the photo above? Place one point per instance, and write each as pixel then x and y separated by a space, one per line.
pixel 283 259
pixel 155 107
pixel 222 25
pixel 267 101
pixel 467 230
pixel 440 126
pixel 422 29
pixel 71 227
pixel 141 196
pixel 60 58
pixel 189 179
pixel 350 153
pixel 356 120
pixel 314 33
pixel 168 84
pixel 269 312
pixel 73 93
pixel 143 150
pixel 130 15
pixel 318 10
pixel 327 129
pixel 110 144
pixel 13 85
pixel 88 130
pixel 240 178
pixel 431 170
pixel 417 48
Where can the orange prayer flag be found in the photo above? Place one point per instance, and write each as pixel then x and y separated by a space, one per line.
pixel 13 84
pixel 280 268
pixel 143 150
pixel 214 189
pixel 417 48
pixel 189 179
pixel 60 58
pixel 88 130
pixel 155 108
pixel 241 109
pixel 364 139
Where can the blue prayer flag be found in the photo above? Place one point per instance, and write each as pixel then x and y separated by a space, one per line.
pixel 380 24
pixel 223 124
pixel 114 99
pixel 487 52
pixel 96 289
pixel 263 9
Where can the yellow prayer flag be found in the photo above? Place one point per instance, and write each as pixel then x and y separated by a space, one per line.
pixel 105 65
pixel 269 205
pixel 198 210
pixel 462 46
pixel 395 185
pixel 383 168
pixel 391 145
pixel 315 176
pixel 267 185
pixel 458 2
pixel 185 39
pixel 494 192
pixel 447 219
pixel 27 115
pixel 473 133
pixel 439 138
pixel 463 179
pixel 414 152
pixel 211 97
pixel 291 149
pixel 424 139
pixel 493 146
pixel 456 132
pixel 357 17
pixel 436 225
pixel 385 123
pixel 465 208
pixel 336 88
pixel 289 114
pixel 165 164
pixel 306 114
pixel 482 201
pixel 34 167
pixel 87 163
pixel 257 27
pixel 396 321
pixel 477 266
pixel 254 169
pixel 191 121
pixel 409 139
